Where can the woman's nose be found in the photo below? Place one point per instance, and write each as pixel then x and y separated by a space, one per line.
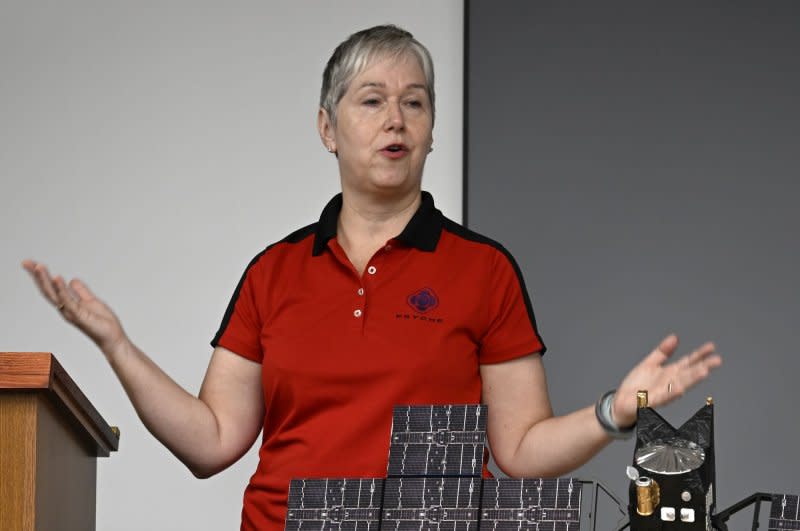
pixel 394 116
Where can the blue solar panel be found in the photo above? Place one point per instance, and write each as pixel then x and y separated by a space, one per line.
pixel 531 504
pixel 434 503
pixel 334 504
pixel 437 440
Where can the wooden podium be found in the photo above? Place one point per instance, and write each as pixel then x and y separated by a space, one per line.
pixel 50 438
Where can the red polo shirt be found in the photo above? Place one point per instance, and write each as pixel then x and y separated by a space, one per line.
pixel 338 350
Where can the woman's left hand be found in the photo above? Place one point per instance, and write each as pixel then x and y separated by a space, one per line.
pixel 663 382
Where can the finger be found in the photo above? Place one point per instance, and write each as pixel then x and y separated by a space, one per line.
pixel 67 298
pixel 705 356
pixel 689 375
pixel 81 289
pixel 705 365
pixel 45 284
pixel 664 350
pixel 701 353
pixel 668 345
pixel 28 265
pixel 64 290
pixel 713 361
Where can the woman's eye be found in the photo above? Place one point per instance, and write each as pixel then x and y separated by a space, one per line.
pixel 371 102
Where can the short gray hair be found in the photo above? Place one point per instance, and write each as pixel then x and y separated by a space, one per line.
pixel 352 56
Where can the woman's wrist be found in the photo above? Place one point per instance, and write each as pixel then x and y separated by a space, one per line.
pixel 624 421
pixel 117 350
pixel 605 417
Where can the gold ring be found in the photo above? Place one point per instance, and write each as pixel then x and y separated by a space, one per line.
pixel 60 306
pixel 669 388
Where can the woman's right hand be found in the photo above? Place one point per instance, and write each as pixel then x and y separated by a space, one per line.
pixel 208 432
pixel 79 306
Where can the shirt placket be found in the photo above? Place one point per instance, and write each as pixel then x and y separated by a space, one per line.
pixel 365 284
pixel 370 280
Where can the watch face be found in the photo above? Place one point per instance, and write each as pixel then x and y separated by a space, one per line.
pixel 670 456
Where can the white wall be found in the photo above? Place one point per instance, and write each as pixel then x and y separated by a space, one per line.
pixel 152 149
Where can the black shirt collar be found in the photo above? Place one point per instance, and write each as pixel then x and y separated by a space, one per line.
pixel 422 231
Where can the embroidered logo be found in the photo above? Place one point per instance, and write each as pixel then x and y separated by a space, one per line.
pixel 423 300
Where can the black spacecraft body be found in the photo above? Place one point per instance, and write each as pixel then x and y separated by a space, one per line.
pixel 672 475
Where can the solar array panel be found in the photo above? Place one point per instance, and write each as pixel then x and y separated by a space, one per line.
pixel 434 484
pixel 531 505
pixel 784 513
pixel 437 440
pixel 435 503
pixel 334 504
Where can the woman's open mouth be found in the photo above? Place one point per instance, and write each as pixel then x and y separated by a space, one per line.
pixel 395 151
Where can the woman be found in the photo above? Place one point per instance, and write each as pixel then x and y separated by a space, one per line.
pixel 383 301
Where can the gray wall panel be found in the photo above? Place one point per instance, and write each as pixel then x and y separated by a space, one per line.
pixel 640 161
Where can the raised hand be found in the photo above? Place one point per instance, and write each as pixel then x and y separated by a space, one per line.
pixel 664 382
pixel 79 306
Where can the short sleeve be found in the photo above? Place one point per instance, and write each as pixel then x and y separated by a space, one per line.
pixel 240 330
pixel 511 332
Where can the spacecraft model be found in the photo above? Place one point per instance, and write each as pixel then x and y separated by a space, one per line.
pixel 434 483
pixel 673 478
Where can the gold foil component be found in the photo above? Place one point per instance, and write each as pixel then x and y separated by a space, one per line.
pixel 648 496
pixel 709 401
pixel 115 430
pixel 641 399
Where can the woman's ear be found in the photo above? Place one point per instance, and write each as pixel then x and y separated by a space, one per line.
pixel 326 133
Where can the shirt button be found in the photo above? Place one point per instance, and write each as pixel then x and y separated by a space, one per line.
pixel 387 248
pixel 357 313
pixel 371 270
pixel 361 291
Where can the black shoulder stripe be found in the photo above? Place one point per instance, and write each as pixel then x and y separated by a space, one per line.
pixel 465 233
pixel 295 237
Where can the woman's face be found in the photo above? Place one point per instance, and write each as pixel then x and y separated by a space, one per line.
pixel 383 130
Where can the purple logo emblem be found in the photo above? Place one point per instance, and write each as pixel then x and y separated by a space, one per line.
pixel 423 300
